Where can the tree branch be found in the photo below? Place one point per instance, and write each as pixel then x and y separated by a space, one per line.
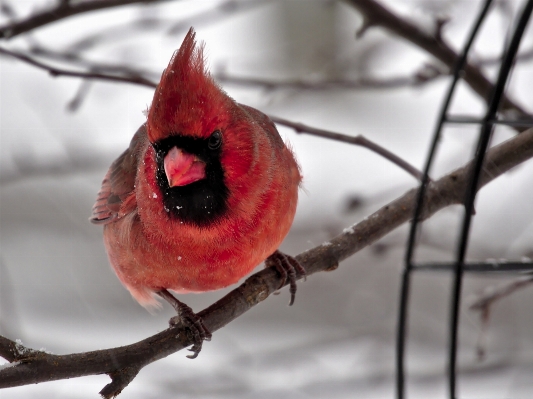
pixel 523 56
pixel 425 74
pixel 62 10
pixel 72 57
pixel 377 15
pixel 374 13
pixel 487 299
pixel 132 78
pixel 170 26
pixel 298 127
pixel 124 362
pixel 356 140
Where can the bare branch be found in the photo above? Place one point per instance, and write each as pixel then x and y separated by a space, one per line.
pixel 74 104
pixel 425 74
pixel 62 10
pixel 120 379
pixel 139 80
pixel 356 140
pixel 225 8
pixel 440 23
pixel 378 15
pixel 73 57
pixel 124 362
pixel 168 25
pixel 487 299
pixel 365 26
pixel 298 127
pixel 523 56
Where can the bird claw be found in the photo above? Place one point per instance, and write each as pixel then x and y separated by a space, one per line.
pixel 187 318
pixel 191 320
pixel 289 268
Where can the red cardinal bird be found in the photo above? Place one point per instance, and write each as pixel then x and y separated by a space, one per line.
pixel 205 192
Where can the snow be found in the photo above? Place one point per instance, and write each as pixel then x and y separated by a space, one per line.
pixel 7 365
pixel 349 230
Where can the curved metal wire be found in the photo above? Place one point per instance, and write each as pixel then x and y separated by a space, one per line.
pixel 483 143
pixel 487 124
pixel 404 292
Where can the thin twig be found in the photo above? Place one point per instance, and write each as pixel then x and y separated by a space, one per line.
pixel 83 89
pixel 139 80
pixel 74 58
pixel 171 26
pixel 484 303
pixel 377 15
pixel 298 127
pixel 356 140
pixel 122 363
pixel 62 10
pixel 425 74
pixel 523 56
pixel 486 300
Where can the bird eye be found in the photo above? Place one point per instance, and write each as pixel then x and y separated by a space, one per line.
pixel 215 140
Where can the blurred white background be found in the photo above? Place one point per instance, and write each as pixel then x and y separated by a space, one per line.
pixel 58 292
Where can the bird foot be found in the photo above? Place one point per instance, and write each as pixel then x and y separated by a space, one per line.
pixel 288 268
pixel 187 318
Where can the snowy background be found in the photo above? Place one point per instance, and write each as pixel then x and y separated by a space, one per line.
pixel 58 292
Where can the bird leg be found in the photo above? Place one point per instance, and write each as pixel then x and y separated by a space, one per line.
pixel 188 318
pixel 288 268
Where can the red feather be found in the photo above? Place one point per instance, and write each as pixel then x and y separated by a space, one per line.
pixel 150 249
pixel 187 100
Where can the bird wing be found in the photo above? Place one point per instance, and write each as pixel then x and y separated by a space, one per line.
pixel 119 183
pixel 267 125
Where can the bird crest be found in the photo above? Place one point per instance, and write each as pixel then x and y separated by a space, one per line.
pixel 187 100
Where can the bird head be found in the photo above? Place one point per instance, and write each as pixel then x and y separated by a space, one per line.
pixel 190 122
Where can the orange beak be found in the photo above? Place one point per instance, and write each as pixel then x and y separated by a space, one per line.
pixel 182 168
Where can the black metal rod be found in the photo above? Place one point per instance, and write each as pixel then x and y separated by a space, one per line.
pixel 482 267
pixel 404 291
pixel 483 143
pixel 467 120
